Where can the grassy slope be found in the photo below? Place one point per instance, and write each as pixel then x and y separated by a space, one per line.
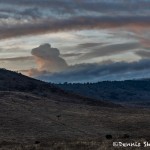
pixel 27 118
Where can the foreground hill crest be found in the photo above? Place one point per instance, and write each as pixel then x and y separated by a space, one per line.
pixel 16 82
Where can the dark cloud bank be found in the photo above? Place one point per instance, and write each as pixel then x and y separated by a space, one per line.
pixel 74 23
pixel 93 72
pixel 100 72
pixel 43 16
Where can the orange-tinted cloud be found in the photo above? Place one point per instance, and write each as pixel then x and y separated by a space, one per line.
pixel 48 58
pixel 74 23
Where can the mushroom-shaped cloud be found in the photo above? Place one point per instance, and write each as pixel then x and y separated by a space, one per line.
pixel 48 58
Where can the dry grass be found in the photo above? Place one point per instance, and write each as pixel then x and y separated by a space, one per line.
pixel 28 122
pixel 71 145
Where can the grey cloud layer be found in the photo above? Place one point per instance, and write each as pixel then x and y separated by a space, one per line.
pixel 48 57
pixel 96 5
pixel 143 54
pixel 76 23
pixel 100 72
pixel 110 50
pixel 24 17
pixel 25 58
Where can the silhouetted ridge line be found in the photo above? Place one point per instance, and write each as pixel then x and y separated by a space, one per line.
pixel 11 81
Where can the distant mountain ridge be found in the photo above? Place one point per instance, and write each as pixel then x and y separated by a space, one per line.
pixel 129 91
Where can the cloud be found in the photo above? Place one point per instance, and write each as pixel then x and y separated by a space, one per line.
pixel 143 53
pixel 31 12
pixel 94 72
pixel 17 14
pixel 41 26
pixel 88 45
pixel 24 58
pixel 71 54
pixel 78 49
pixel 145 42
pixel 52 68
pixel 88 5
pixel 48 59
pixel 108 50
pixel 27 17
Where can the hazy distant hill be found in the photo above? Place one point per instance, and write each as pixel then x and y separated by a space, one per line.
pixel 131 91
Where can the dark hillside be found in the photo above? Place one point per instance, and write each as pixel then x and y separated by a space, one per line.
pixel 35 115
pixel 13 81
pixel 129 92
pixel 26 119
pixel 16 82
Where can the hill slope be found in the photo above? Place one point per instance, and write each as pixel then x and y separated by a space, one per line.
pixel 58 120
pixel 135 92
pixel 12 81
pixel 26 119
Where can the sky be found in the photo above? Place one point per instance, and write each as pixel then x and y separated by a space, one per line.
pixel 76 40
